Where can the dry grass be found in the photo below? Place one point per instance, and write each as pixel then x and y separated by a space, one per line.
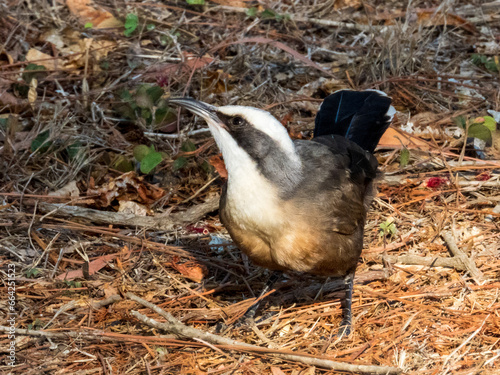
pixel 443 320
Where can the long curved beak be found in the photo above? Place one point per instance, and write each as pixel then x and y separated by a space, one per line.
pixel 206 111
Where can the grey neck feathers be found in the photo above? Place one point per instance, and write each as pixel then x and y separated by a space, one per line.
pixel 277 165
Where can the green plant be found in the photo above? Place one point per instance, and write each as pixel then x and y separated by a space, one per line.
pixel 37 324
pixel 480 128
pixel 41 143
pixel 32 273
pixel 131 23
pixel 271 14
pixel 146 105
pixel 387 228
pixel 490 63
pixel 404 157
pixel 195 2
pixel 73 283
pixel 251 12
pixel 148 158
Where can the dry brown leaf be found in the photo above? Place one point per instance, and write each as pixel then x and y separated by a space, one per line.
pixel 127 187
pixel 41 58
pixel 276 371
pixel 234 3
pixel 190 269
pixel 397 139
pixel 429 17
pixel 94 266
pixel 68 190
pixel 129 207
pixel 32 94
pixel 216 162
pixel 87 11
pixel 342 4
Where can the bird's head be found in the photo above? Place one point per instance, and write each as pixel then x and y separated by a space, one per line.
pixel 249 137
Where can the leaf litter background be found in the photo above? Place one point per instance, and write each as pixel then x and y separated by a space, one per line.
pixel 83 119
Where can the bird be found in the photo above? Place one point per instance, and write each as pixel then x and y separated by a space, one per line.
pixel 300 205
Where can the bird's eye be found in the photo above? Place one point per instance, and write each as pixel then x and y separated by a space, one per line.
pixel 236 121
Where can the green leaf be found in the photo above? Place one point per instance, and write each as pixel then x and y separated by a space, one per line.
pixel 74 149
pixel 490 123
pixel 131 23
pixel 88 25
pixel 146 115
pixel 126 96
pixel 207 167
pixel 188 146
pixel 491 65
pixel 479 131
pixel 143 98
pixel 140 152
pixel 123 164
pixel 460 121
pixel 195 2
pixel 150 27
pixel 179 163
pixel 251 12
pixel 388 228
pixel 164 39
pixel 41 142
pixel 33 71
pixel 164 115
pixel 150 162
pixel 154 93
pixel 404 158
pixel 32 272
pixel 268 14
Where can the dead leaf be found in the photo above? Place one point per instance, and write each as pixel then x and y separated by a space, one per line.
pixel 189 269
pixel 233 3
pixel 129 207
pixel 276 371
pixel 218 164
pixel 94 266
pixel 343 4
pixel 127 187
pixel 87 11
pixel 218 81
pixel 109 290
pixel 41 58
pixel 32 94
pixel 397 139
pixel 429 18
pixel 68 190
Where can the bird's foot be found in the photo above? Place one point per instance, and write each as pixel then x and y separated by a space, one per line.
pixel 345 328
pixel 344 331
pixel 245 323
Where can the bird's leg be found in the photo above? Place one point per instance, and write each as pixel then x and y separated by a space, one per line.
pixel 250 313
pixel 345 303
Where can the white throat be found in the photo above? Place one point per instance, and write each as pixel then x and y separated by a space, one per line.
pixel 254 201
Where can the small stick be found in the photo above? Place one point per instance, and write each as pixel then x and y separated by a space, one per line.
pixel 175 326
pixel 451 262
pixel 159 222
pixel 461 256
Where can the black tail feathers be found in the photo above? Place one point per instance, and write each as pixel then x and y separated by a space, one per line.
pixel 360 116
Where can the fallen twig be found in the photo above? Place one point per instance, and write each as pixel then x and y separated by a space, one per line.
pixel 175 326
pixel 166 223
pixel 462 257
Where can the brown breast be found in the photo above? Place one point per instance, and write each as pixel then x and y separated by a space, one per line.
pixel 304 241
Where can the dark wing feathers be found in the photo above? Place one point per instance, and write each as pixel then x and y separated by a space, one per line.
pixel 360 116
